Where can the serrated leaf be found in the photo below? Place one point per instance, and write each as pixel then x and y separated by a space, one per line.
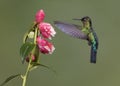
pixel 9 78
pixel 25 50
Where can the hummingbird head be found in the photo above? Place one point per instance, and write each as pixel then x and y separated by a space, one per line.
pixel 85 20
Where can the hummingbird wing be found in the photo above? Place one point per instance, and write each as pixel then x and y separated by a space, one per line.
pixel 71 29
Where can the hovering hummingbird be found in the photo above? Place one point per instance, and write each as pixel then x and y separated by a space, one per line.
pixel 84 32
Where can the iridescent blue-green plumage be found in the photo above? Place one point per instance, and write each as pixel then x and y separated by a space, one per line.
pixel 84 32
pixel 94 47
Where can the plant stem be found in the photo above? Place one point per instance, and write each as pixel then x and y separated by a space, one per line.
pixel 24 77
pixel 36 33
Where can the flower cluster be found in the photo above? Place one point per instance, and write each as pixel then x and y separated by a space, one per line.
pixel 37 39
pixel 46 32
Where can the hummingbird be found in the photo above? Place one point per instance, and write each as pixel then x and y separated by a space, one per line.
pixel 84 31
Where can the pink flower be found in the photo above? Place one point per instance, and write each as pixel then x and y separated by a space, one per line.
pixel 39 17
pixel 45 46
pixel 46 30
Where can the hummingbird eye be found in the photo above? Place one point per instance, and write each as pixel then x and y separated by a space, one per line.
pixel 87 19
pixel 84 19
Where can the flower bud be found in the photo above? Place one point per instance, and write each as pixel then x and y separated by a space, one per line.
pixel 39 17
pixel 28 58
pixel 31 35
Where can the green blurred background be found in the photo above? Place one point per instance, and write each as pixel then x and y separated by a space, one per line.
pixel 71 57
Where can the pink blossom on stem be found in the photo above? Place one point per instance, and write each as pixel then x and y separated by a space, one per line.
pixel 46 30
pixel 39 17
pixel 45 46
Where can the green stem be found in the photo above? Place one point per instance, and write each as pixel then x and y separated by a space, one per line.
pixel 36 33
pixel 24 77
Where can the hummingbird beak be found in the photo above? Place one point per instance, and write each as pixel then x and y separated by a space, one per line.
pixel 76 19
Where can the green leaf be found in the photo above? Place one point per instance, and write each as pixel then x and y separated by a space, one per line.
pixel 38 64
pixel 48 68
pixel 25 37
pixel 9 78
pixel 26 49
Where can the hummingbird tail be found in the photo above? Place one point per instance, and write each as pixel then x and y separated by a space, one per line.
pixel 93 55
